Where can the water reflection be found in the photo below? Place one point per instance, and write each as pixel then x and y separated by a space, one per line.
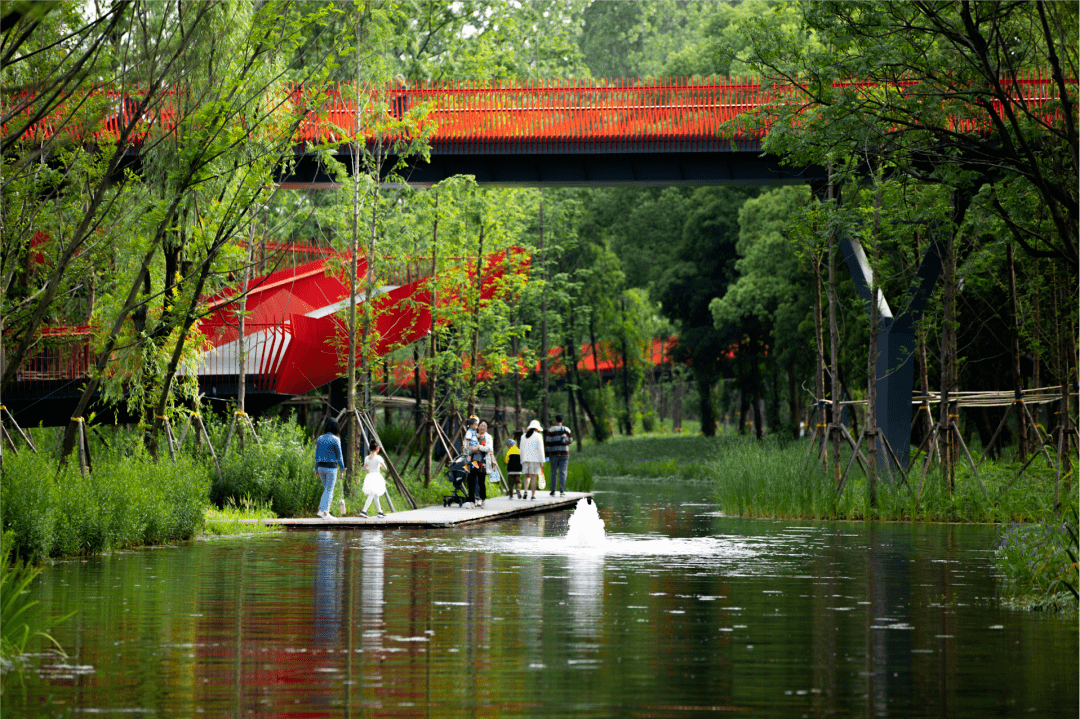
pixel 327 590
pixel 684 613
pixel 586 590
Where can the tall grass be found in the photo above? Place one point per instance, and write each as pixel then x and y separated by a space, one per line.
pixel 277 473
pixel 19 619
pixel 128 500
pixel 683 456
pixel 769 479
pixel 1038 563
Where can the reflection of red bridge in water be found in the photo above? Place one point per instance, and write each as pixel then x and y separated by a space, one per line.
pixel 295 337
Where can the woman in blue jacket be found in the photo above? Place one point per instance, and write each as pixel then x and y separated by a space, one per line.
pixel 328 458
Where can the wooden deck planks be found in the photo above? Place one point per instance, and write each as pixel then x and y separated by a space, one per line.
pixel 436 517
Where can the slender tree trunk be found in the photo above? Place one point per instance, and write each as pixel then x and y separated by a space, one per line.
pixel 948 358
pixel 429 423
pixel 1018 385
pixel 517 383
pixel 834 351
pixel 819 357
pixel 871 361
pixel 544 400
pixel 241 315
pixel 627 397
pixel 676 404
pixel 794 405
pixel 418 416
pixel 1036 354
pixel 72 432
pixel 474 366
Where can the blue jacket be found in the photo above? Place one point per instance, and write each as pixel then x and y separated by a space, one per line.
pixel 328 449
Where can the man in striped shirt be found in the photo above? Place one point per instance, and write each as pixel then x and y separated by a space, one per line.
pixel 557 439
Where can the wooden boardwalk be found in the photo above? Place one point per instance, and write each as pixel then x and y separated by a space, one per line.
pixel 436 517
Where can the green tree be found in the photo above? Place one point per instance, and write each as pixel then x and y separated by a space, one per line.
pixel 699 269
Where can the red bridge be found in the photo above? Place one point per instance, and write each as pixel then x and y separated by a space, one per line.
pixel 294 337
pixel 532 133
pixel 550 132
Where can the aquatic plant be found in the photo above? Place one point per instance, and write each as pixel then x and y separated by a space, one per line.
pixel 1038 564
pixel 226 520
pixel 772 479
pixel 19 622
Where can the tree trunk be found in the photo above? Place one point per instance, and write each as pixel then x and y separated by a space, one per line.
pixel 834 351
pixel 627 398
pixel 819 359
pixel 474 367
pixel 948 408
pixel 544 400
pixel 794 405
pixel 71 434
pixel 1018 385
pixel 429 423
pixel 676 404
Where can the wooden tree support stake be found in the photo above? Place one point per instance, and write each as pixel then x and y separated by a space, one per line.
pixel 11 418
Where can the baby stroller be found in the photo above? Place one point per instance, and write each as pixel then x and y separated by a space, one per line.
pixel 458 474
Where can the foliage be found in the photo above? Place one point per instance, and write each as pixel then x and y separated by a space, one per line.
pixel 1038 563
pixel 128 500
pixel 277 473
pixel 685 457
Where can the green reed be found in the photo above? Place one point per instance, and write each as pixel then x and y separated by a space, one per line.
pixel 771 479
pixel 1038 563
pixel 127 500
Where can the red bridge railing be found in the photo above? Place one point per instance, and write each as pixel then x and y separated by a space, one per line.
pixel 508 115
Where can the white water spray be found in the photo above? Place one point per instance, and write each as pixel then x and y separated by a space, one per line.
pixel 586 529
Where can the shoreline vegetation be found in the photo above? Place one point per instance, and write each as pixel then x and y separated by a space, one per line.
pixel 54 513
pixel 1035 555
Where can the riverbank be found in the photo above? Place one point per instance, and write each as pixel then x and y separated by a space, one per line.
pixel 1037 548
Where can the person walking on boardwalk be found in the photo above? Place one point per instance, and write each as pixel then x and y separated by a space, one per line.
pixel 532 456
pixel 374 484
pixel 328 458
pixel 480 457
pixel 471 447
pixel 513 469
pixel 557 439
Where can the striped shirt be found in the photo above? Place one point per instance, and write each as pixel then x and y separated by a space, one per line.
pixel 557 439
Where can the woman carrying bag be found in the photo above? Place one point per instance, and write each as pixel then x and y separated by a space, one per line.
pixel 532 456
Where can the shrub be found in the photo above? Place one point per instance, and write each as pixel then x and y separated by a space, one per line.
pixel 277 472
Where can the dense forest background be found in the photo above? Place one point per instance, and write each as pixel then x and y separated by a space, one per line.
pixel 731 281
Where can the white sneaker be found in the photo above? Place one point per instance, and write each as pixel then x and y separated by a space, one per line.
pixel 322 514
pixel 329 516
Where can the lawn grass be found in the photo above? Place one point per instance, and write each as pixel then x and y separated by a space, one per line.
pixel 684 455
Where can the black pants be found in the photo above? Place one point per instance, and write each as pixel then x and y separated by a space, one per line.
pixel 478 484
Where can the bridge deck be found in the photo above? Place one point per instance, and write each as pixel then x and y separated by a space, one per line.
pixel 436 517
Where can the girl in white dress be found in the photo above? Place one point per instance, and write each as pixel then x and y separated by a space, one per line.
pixel 374 484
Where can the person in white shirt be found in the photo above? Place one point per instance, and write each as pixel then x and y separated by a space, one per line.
pixel 374 484
pixel 532 456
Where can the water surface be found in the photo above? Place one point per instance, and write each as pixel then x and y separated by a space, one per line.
pixel 681 613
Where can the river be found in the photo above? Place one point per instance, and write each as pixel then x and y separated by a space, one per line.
pixel 682 612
